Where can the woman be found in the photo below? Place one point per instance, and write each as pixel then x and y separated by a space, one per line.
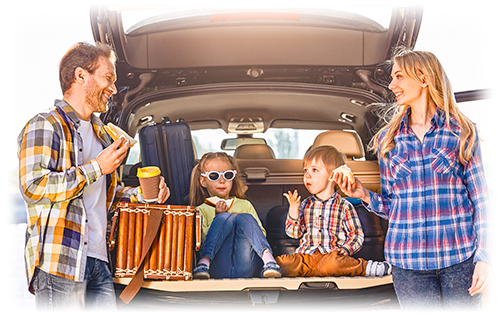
pixel 433 190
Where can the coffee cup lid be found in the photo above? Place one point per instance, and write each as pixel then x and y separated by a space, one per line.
pixel 148 172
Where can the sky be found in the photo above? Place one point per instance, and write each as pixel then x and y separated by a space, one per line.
pixel 39 33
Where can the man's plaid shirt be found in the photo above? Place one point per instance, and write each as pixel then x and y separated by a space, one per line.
pixel 52 177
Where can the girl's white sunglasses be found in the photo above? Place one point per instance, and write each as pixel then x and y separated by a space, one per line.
pixel 228 175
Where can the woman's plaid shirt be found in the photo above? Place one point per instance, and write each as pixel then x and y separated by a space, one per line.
pixel 326 225
pixel 52 178
pixel 436 206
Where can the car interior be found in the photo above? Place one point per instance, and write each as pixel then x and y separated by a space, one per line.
pixel 267 176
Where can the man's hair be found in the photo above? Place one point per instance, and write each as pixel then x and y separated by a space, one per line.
pixel 329 155
pixel 85 56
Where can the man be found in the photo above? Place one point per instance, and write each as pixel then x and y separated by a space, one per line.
pixel 69 181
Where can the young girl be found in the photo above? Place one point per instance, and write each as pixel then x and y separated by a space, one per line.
pixel 433 191
pixel 234 244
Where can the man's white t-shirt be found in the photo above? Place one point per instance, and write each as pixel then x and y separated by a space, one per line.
pixel 94 196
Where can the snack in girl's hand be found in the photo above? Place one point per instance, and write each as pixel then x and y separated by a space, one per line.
pixel 115 132
pixel 346 171
pixel 213 200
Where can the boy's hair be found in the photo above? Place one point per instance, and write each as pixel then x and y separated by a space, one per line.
pixel 198 193
pixel 329 155
pixel 84 55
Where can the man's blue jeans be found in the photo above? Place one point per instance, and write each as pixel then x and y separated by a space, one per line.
pixel 435 289
pixel 96 291
pixel 234 244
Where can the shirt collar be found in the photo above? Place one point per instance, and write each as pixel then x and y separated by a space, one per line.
pixel 331 198
pixel 70 112
pixel 439 118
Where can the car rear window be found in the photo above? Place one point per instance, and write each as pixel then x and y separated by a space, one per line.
pixel 286 143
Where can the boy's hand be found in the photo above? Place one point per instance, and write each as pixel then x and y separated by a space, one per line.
pixel 294 201
pixel 293 198
pixel 343 252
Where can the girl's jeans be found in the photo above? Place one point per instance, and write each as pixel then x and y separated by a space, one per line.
pixel 96 291
pixel 435 289
pixel 234 244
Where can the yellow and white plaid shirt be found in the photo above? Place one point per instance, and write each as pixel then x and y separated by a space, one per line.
pixel 52 178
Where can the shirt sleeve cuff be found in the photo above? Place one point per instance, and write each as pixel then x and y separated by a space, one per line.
pixel 92 171
pixel 480 256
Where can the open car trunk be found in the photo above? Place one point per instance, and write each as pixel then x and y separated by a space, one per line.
pixel 246 72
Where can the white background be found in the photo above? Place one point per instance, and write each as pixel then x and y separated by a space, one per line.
pixel 37 34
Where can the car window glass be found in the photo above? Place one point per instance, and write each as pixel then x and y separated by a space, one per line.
pixel 134 154
pixel 286 143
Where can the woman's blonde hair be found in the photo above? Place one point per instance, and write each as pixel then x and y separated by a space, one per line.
pixel 415 65
pixel 198 193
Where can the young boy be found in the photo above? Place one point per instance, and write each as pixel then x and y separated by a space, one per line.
pixel 327 224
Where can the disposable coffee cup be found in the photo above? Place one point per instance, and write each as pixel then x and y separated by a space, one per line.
pixel 149 178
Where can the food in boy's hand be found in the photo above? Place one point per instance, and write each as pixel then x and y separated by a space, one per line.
pixel 346 171
pixel 115 132
pixel 213 200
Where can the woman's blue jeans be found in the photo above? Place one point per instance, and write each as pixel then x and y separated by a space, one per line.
pixel 436 289
pixel 234 244
pixel 95 292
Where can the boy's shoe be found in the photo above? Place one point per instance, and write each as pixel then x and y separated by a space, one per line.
pixel 201 272
pixel 378 269
pixel 271 270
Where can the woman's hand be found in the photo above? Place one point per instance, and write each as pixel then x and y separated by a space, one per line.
pixel 355 190
pixel 481 279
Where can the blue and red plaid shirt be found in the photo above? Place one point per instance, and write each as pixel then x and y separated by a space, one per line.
pixel 326 225
pixel 436 206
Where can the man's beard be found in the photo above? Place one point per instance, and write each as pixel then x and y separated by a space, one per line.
pixel 94 98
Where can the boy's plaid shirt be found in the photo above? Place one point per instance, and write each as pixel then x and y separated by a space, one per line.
pixel 326 225
pixel 436 206
pixel 52 178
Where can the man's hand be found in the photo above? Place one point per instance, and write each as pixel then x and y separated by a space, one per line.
pixel 110 158
pixel 164 193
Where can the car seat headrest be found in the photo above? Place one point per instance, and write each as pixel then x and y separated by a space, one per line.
pixel 254 151
pixel 347 142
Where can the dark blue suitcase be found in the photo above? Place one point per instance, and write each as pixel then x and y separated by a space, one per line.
pixel 169 146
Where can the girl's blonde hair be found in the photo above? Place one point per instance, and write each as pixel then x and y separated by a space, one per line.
pixel 414 65
pixel 198 193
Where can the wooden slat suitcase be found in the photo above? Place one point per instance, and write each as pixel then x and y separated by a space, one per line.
pixel 171 254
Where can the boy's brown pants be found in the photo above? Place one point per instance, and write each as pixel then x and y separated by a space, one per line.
pixel 320 265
